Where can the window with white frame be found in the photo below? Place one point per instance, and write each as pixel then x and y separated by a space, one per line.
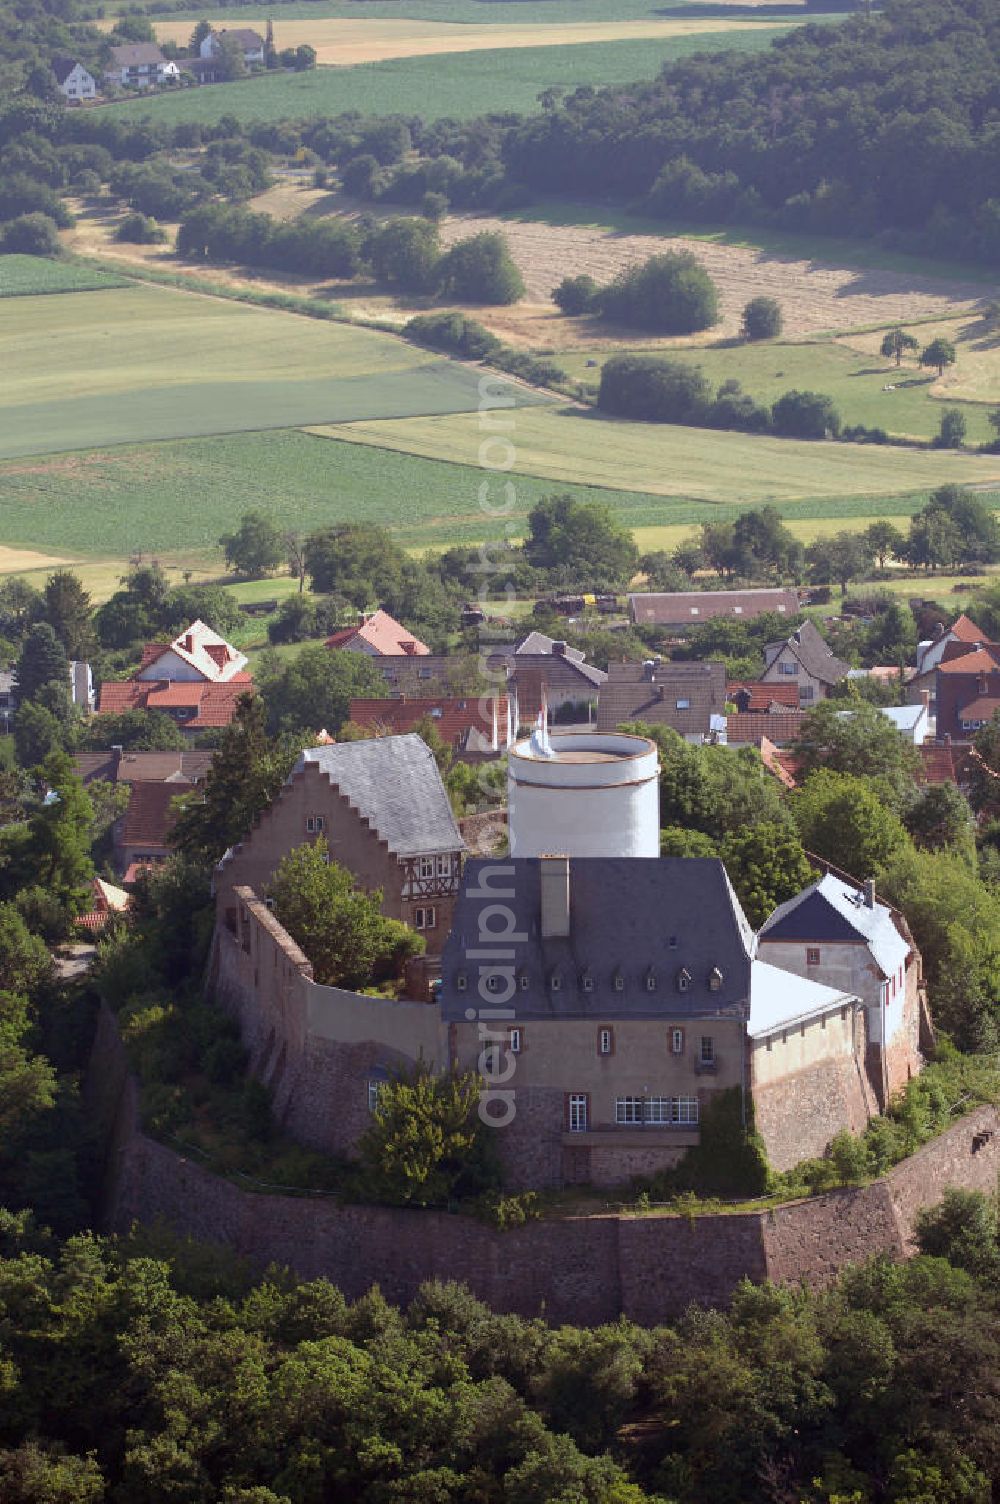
pixel 315 824
pixel 555 982
pixel 514 1040
pixel 628 1111
pixel 651 981
pixel 706 1050
pixel 684 1109
pixel 444 865
pixel 493 982
pixel 788 668
pixel 605 1042
pixel 425 866
pixel 677 1041
pixel 522 981
pixel 658 1111
pixel 586 981
pixel 375 1090
pixel 577 1112
pixel 682 704
pixel 461 981
pixel 619 982
pixel 425 919
pixel 683 979
pixel 812 955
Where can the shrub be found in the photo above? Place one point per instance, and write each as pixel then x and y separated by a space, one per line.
pixel 670 294
pixel 30 235
pixel 761 319
pixel 480 270
pixel 434 206
pixel 140 229
pixel 805 415
pixel 951 434
pixel 576 295
pixel 452 332
pixel 653 388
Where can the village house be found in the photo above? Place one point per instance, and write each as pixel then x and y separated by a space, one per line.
pixel 837 932
pixel 198 680
pixel 140 65
pixel 779 727
pixel 249 42
pixel 675 610
pixel 543 668
pixel 382 812
pixel 73 80
pixel 184 768
pixel 967 689
pixel 142 834
pixel 806 659
pixel 474 726
pixel 429 674
pixel 106 902
pixel 379 635
pixel 690 698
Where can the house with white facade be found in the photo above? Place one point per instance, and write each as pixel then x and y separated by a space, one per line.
pixel 72 79
pixel 140 65
pixel 249 42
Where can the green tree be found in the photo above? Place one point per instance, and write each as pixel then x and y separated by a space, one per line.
pixel 68 611
pixel 896 344
pixel 256 547
pixel 883 540
pixel 340 927
pixel 313 691
pixel 247 770
pixel 677 840
pixel 580 544
pixel 134 731
pixel 766 865
pixel 844 820
pixel 480 270
pixel 427 1144
pixel 406 253
pixel 962 1228
pixel 56 855
pixel 42 662
pixel 576 295
pixel 761 319
pixel 669 294
pixel 859 740
pixel 356 560
pixel 34 1474
pixel 840 558
pixel 939 353
pixel 202 30
pixel 806 415
pixel 37 732
pixel 939 819
pixel 951 434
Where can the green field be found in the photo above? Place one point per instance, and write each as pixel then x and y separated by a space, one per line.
pixel 155 363
pixel 528 12
pixel 856 380
pixel 33 276
pixel 460 85
pixel 572 447
pixel 176 499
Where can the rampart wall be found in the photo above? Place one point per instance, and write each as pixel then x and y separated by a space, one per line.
pixel 574 1269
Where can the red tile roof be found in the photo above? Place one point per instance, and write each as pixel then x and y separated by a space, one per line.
pixel 208 704
pixel 983 709
pixel 782 726
pixel 763 696
pixel 382 633
pixel 938 764
pixel 149 818
pixel 966 660
pixel 966 630
pixel 453 718
pixel 775 762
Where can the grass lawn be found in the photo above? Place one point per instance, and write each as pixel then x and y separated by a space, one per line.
pixel 153 363
pixel 571 447
pixel 460 85
pixel 31 276
pixel 854 377
pixel 975 376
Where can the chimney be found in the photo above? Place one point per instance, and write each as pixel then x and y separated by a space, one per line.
pixel 925 697
pixel 554 879
pixel 116 760
pixel 649 669
pixel 869 892
pixel 188 643
pixel 983 687
pixel 559 649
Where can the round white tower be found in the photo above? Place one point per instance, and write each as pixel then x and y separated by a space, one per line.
pixel 596 795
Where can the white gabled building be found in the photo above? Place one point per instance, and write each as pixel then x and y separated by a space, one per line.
pixel 72 79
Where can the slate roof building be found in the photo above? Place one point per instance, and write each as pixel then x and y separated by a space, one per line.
pixel 73 80
pixel 686 608
pixel 542 666
pixel 382 811
pixel 837 932
pixel 690 698
pixel 627 993
pixel 806 659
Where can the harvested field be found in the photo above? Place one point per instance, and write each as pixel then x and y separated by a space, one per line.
pixel 17 560
pixel 348 42
pixel 975 376
pixel 573 447
pixel 815 295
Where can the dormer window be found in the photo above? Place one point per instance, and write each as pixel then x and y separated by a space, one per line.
pixel 651 981
pixel 683 979
pixel 714 979
pixel 555 982
pixel 586 981
pixel 672 942
pixel 522 981
pixel 618 982
pixel 461 981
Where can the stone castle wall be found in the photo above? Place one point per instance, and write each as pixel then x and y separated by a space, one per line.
pixel 584 1270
